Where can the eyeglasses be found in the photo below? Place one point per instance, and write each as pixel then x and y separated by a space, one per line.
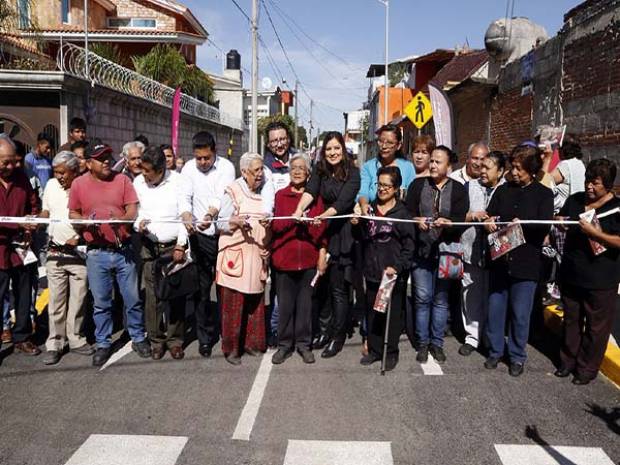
pixel 385 187
pixel 386 143
pixel 298 168
pixel 282 140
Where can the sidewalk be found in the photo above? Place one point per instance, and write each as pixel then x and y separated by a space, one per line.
pixel 611 363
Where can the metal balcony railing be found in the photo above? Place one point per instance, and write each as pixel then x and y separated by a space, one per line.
pixel 71 59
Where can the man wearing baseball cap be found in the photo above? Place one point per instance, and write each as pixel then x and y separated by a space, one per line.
pixel 102 194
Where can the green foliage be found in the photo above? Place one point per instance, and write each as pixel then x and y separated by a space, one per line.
pixel 108 51
pixel 165 64
pixel 396 71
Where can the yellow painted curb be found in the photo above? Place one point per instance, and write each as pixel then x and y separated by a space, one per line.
pixel 610 367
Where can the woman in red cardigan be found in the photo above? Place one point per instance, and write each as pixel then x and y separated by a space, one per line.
pixel 297 250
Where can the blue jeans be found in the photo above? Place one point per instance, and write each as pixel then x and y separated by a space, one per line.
pixel 520 293
pixel 103 267
pixel 430 301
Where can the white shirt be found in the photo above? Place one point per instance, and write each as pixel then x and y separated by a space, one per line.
pixel 162 202
pixel 460 175
pixel 202 191
pixel 56 201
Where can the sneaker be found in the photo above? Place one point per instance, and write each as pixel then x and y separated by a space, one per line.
pixel 102 354
pixel 516 369
pixel 52 357
pixel 491 363
pixel 437 353
pixel 86 349
pixel 466 349
pixel 142 348
pixel 307 356
pixel 422 356
pixel 280 356
pixel 369 359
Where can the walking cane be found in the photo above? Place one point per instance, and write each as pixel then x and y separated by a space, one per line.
pixel 388 310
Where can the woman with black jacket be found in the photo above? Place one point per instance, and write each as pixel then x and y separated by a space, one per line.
pixel 337 181
pixel 515 275
pixel 388 248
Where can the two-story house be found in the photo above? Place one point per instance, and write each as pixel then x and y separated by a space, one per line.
pixel 135 26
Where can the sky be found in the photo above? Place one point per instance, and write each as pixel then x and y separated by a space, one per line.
pixel 331 43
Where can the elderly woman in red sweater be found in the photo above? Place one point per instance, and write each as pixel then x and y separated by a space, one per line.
pixel 298 249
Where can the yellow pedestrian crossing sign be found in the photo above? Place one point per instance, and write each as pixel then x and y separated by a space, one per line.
pixel 419 110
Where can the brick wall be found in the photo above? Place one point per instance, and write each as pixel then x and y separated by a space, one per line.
pixel 96 14
pixel 472 107
pixel 140 9
pixel 511 120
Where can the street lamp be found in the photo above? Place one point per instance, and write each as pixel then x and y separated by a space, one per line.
pixel 386 4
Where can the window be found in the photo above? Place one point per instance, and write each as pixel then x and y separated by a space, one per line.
pixel 65 9
pixel 144 23
pixel 23 12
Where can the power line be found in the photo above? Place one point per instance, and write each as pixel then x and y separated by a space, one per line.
pixel 275 31
pixel 242 11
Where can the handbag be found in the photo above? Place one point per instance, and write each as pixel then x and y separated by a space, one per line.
pixel 181 283
pixel 450 261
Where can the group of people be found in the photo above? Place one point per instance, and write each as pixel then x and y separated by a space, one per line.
pixel 327 235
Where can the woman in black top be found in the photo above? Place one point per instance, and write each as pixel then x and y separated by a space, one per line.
pixel 514 276
pixel 337 181
pixel 589 275
pixel 387 248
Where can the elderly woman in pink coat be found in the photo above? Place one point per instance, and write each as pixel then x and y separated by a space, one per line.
pixel 242 261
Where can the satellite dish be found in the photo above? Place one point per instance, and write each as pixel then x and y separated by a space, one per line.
pixel 266 83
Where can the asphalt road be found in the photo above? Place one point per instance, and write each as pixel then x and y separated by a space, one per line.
pixel 49 413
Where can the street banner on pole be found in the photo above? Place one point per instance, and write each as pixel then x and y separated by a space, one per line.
pixel 443 118
pixel 176 117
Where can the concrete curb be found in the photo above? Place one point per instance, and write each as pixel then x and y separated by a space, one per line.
pixel 610 367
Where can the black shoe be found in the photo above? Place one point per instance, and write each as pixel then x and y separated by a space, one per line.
pixel 86 349
pixel 437 353
pixel 142 348
pixel 306 355
pixel 491 363
pixel 581 381
pixel 205 350
pixel 233 359
pixel 390 363
pixel 466 349
pixel 332 349
pixel 320 342
pixel 562 372
pixel 516 369
pixel 422 356
pixel 52 357
pixel 369 359
pixel 102 354
pixel 280 356
pixel 272 341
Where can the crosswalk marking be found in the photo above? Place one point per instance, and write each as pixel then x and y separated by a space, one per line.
pixel 513 454
pixel 250 410
pixel 431 367
pixel 114 449
pixel 338 453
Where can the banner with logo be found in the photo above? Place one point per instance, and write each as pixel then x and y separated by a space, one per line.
pixel 443 116
pixel 176 117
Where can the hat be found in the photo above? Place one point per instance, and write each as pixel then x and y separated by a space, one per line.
pixel 97 151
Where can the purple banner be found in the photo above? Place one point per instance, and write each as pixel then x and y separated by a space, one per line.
pixel 443 118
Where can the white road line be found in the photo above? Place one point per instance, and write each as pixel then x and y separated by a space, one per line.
pixel 338 453
pixel 116 356
pixel 513 454
pixel 250 411
pixel 431 368
pixel 113 449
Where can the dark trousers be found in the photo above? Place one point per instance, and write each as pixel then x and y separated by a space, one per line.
pixel 20 278
pixel 339 292
pixel 588 321
pixel 295 308
pixel 376 320
pixel 204 250
pixel 164 320
pixel 321 307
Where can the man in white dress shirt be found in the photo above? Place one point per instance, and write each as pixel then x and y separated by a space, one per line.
pixel 160 191
pixel 207 176
pixel 476 153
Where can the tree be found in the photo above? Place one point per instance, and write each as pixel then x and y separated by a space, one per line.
pixel 108 51
pixel 396 72
pixel 165 64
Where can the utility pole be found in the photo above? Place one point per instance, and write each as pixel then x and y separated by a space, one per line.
pixel 254 129
pixel 387 51
pixel 296 113
pixel 86 64
pixel 310 134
